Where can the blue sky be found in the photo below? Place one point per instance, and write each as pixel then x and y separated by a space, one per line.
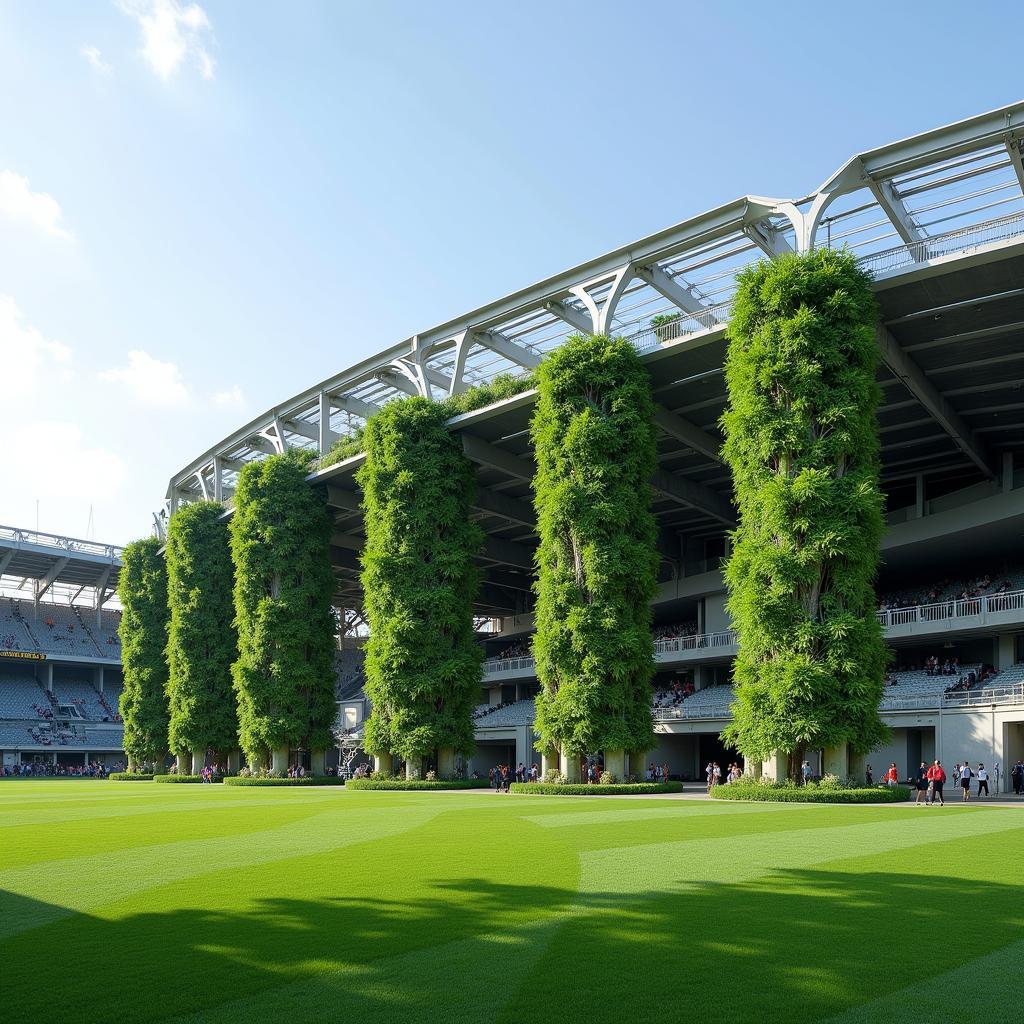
pixel 205 208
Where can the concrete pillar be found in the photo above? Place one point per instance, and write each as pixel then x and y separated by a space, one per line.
pixel 836 761
pixel 318 762
pixel 636 764
pixel 1004 651
pixel 383 763
pixel 1007 471
pixel 49 677
pixel 414 768
pixel 279 759
pixel 85 760
pixel 446 762
pixel 198 761
pixel 615 762
pixel 234 762
pixel 919 496
pixel 569 766
pixel 524 745
pixel 99 682
pixel 776 767
pixel 548 760
pixel 752 768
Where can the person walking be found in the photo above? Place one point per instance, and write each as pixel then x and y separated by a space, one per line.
pixel 1017 775
pixel 965 782
pixel 936 780
pixel 892 775
pixel 956 774
pixel 982 780
pixel 805 771
pixel 869 776
pixel 921 784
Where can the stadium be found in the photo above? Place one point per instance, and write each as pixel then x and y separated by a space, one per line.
pixel 938 221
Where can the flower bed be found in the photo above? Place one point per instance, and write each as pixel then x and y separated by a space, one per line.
pixel 307 780
pixel 812 793
pixel 418 784
pixel 596 789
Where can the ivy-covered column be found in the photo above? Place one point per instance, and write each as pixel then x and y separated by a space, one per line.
pixel 201 639
pixel 142 588
pixel 423 664
pixel 284 674
pixel 594 440
pixel 802 442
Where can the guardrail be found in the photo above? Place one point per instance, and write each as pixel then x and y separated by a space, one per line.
pixel 1010 693
pixel 945 611
pixel 682 326
pixel 53 540
pixel 675 714
pixel 697 642
pixel 508 665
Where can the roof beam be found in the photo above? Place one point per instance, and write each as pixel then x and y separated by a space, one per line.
pixel 344 558
pixel 677 291
pixel 302 428
pixel 355 406
pixel 510 580
pixel 6 558
pixel 342 497
pixel 570 315
pixel 508 553
pixel 492 597
pixel 508 348
pixel 516 511
pixel 767 238
pixel 892 206
pixel 486 454
pixel 929 396
pixel 43 585
pixel 689 433
pixel 693 495
pixel 1013 148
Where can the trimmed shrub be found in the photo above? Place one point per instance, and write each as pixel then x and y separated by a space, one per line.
pixel 417 784
pixel 308 780
pixel 789 792
pixel 580 789
pixel 186 779
pixel 133 777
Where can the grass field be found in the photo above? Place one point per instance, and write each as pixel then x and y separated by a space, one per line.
pixel 135 902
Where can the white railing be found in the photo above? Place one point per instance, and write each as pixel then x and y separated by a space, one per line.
pixel 691 711
pixel 508 664
pixel 53 540
pixel 697 642
pixel 1000 229
pixel 682 326
pixel 945 611
pixel 1011 693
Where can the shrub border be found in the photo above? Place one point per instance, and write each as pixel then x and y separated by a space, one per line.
pixel 417 784
pixel 184 779
pixel 130 777
pixel 307 780
pixel 799 795
pixel 596 789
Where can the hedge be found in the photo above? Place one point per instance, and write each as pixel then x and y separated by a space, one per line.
pixel 183 778
pixel 811 794
pixel 597 789
pixel 413 784
pixel 130 777
pixel 308 780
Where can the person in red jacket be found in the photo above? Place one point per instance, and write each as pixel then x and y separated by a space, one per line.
pixel 936 780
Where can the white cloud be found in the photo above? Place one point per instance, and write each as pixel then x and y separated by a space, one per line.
pixel 20 204
pixel 172 34
pixel 230 398
pixel 150 380
pixel 96 61
pixel 31 363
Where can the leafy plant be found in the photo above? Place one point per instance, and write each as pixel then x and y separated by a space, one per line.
pixel 423 665
pixel 594 440
pixel 201 639
pixel 142 588
pixel 802 442
pixel 284 675
pixel 595 789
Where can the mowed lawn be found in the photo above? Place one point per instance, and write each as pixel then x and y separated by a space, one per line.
pixel 139 902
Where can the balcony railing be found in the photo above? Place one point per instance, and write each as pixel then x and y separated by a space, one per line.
pixel 53 540
pixel 1011 693
pixel 691 711
pixel 949 611
pixel 508 664
pixel 697 642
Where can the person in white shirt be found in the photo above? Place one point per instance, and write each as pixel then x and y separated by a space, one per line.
pixel 982 780
pixel 965 782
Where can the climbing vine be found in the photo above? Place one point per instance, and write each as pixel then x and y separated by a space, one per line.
pixel 142 588
pixel 802 441
pixel 202 643
pixel 284 673
pixel 594 440
pixel 423 666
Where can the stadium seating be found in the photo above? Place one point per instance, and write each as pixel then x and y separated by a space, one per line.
pixel 83 696
pixel 21 697
pixel 507 716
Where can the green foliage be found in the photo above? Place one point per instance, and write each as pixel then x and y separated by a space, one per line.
pixel 201 639
pixel 184 779
pixel 597 789
pixel 788 791
pixel 423 665
pixel 134 777
pixel 306 780
pixel 802 441
pixel 666 325
pixel 417 784
pixel 142 588
pixel 504 385
pixel 284 675
pixel 594 441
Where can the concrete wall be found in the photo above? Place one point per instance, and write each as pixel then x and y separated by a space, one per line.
pixel 716 619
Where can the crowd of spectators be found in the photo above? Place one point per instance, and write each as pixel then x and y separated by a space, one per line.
pixel 946 590
pixel 38 769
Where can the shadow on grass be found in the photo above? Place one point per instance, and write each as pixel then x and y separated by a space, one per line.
pixel 794 946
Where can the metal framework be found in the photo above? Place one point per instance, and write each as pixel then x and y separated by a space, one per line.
pixel 898 207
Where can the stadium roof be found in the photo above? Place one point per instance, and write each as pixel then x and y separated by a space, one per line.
pixel 37 565
pixel 937 219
